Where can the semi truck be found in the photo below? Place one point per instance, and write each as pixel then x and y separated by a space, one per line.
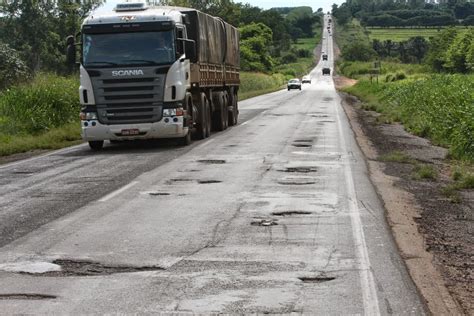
pixel 155 72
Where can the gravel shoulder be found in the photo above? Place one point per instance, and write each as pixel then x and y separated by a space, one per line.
pixel 434 235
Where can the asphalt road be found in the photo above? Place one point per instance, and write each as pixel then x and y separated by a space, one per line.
pixel 275 215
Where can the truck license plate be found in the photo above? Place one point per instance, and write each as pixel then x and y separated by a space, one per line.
pixel 128 132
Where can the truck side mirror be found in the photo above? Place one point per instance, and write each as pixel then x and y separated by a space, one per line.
pixel 70 51
pixel 190 49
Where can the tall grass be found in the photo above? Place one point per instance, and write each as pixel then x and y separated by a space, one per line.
pixel 440 107
pixel 49 101
pixel 253 84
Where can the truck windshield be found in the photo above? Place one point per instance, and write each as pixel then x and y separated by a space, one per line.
pixel 124 49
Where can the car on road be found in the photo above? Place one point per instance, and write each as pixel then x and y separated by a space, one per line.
pixel 306 79
pixel 326 71
pixel 294 84
pixel 325 57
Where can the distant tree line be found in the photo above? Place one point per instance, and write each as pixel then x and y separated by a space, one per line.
pixel 394 13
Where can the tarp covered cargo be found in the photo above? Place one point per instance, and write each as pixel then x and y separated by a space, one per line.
pixel 217 42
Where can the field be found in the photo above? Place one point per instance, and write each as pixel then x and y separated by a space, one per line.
pixel 400 34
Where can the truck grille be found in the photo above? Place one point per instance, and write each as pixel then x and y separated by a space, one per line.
pixel 129 100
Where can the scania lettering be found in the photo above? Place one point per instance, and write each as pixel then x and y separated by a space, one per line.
pixel 155 72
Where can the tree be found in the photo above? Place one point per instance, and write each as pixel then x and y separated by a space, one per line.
pixel 438 47
pixel 456 55
pixel 12 68
pixel 255 40
pixel 417 47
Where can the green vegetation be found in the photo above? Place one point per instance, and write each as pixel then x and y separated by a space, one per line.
pixel 424 172
pixel 47 102
pixel 55 138
pixel 397 156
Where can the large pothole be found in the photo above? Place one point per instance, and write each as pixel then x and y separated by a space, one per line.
pixel 291 213
pixel 91 268
pixel 26 296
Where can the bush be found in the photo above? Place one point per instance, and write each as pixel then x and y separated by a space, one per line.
pixel 289 57
pixel 358 51
pixel 48 101
pixel 12 68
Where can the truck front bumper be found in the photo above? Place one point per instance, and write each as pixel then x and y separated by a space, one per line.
pixel 94 130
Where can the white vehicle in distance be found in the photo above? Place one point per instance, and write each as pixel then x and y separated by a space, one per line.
pixel 294 84
pixel 306 79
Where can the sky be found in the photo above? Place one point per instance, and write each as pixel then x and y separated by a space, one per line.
pixel 265 4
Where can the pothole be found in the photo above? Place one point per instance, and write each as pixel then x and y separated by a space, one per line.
pixel 291 213
pixel 264 222
pixel 327 99
pixel 158 193
pixel 300 169
pixel 26 296
pixel 303 140
pixel 171 181
pixel 318 115
pixel 296 181
pixel 299 145
pixel 317 279
pixel 212 161
pixel 90 268
pixel 209 181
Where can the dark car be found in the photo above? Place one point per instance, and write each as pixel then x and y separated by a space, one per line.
pixel 294 84
pixel 326 71
pixel 325 57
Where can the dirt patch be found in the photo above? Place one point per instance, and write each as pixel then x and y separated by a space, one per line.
pixel 434 235
pixel 343 82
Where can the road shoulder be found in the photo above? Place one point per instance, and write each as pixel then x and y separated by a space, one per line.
pixel 406 212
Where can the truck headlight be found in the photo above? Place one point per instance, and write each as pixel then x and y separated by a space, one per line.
pixel 169 112
pixel 85 116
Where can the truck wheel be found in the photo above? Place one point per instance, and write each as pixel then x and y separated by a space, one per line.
pixel 208 118
pixel 233 116
pixel 96 144
pixel 186 140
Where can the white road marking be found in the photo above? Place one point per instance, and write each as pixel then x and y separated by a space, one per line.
pixel 369 293
pixel 117 192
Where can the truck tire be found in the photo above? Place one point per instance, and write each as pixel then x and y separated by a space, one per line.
pixel 234 114
pixel 96 145
pixel 219 118
pixel 186 140
pixel 201 132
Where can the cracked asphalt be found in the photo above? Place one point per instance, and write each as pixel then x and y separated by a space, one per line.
pixel 275 215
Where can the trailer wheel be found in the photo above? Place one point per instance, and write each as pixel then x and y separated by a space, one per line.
pixel 219 118
pixel 208 118
pixel 203 118
pixel 96 145
pixel 234 114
